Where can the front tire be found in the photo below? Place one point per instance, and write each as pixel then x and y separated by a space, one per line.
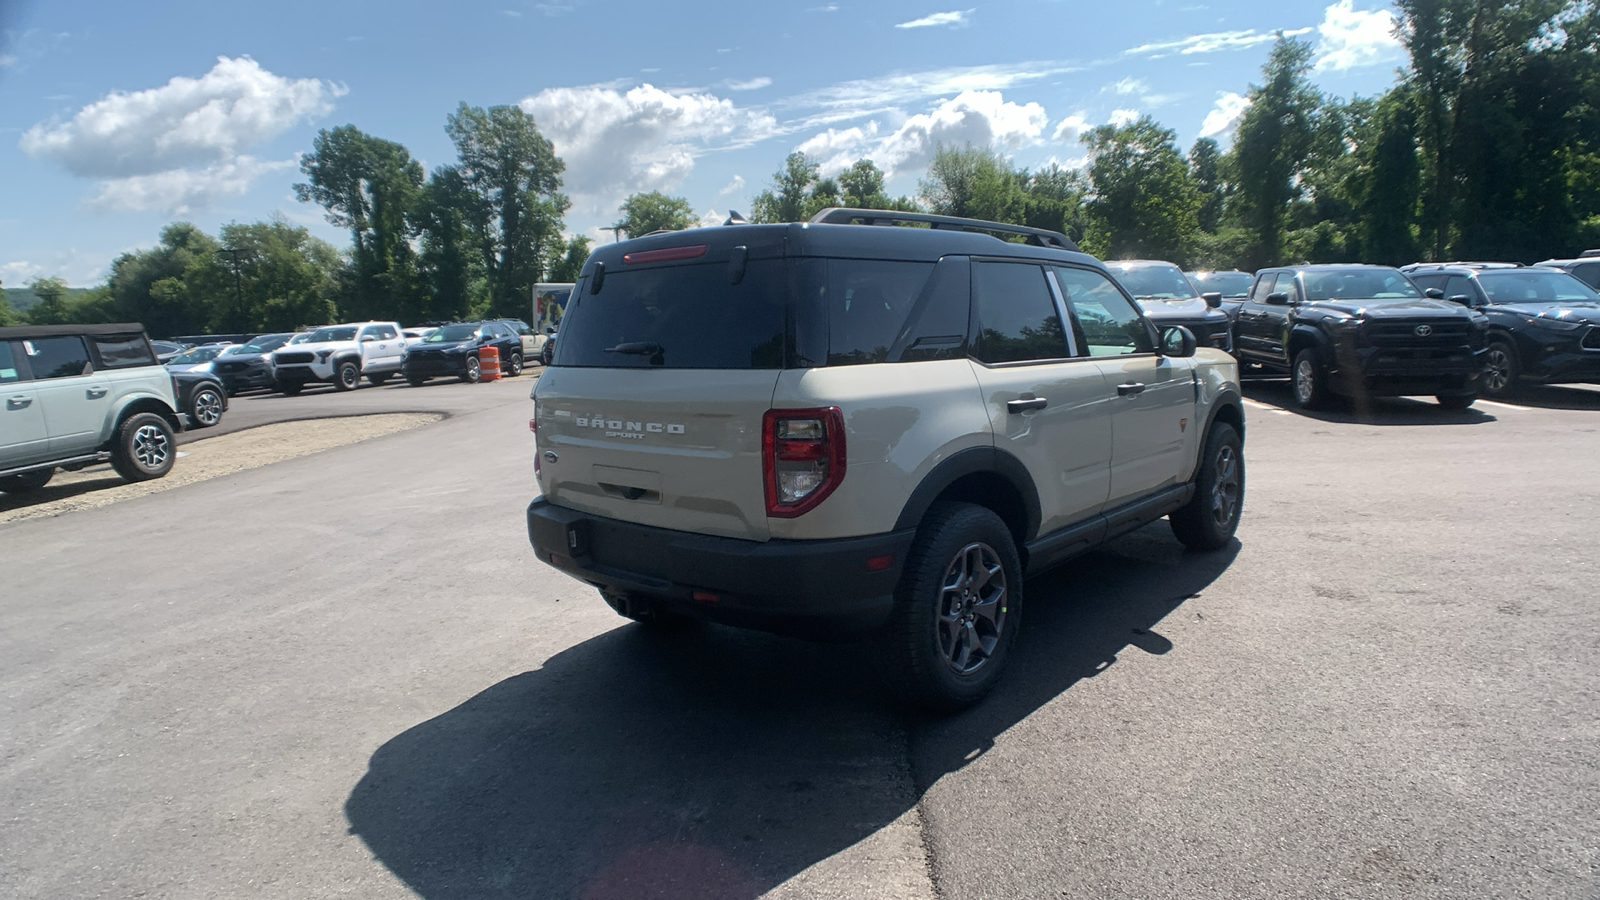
pixel 1309 380
pixel 205 407
pixel 1457 401
pixel 1209 519
pixel 145 448
pixel 347 377
pixel 514 366
pixel 474 371
pixel 290 388
pixel 1500 371
pixel 28 481
pixel 957 609
pixel 378 380
pixel 416 380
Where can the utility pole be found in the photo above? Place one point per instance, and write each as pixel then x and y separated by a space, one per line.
pixel 235 254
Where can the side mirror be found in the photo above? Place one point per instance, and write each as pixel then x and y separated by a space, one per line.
pixel 1462 299
pixel 1433 294
pixel 1177 342
pixel 1278 299
pixel 1213 299
pixel 368 338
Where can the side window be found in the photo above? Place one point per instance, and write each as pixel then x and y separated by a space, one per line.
pixel 8 364
pixel 385 332
pixel 1285 285
pixel 1017 318
pixel 119 351
pixel 1263 287
pixel 1457 286
pixel 58 357
pixel 1588 273
pixel 1107 322
pixel 869 302
pixel 1423 282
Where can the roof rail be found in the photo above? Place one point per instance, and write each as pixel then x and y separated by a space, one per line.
pixel 1040 237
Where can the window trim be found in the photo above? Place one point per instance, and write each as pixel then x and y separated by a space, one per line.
pixel 1150 329
pixel 975 320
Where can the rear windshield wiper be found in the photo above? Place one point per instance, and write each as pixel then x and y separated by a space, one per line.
pixel 641 348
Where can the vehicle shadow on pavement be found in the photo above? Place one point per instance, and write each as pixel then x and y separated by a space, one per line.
pixel 1368 410
pixel 715 763
pixel 65 486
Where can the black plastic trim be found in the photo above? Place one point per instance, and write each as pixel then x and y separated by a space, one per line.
pixel 973 461
pixel 1064 543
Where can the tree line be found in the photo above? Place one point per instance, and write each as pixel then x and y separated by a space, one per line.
pixel 1486 147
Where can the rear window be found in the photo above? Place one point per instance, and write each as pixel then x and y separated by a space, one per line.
pixel 680 317
pixel 119 351
pixel 58 357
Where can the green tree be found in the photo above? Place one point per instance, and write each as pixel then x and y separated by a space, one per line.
pixel 1205 167
pixel 655 211
pixel 1271 147
pixel 52 308
pixel 515 175
pixel 287 278
pixel 1390 183
pixel 171 287
pixel 448 216
pixel 568 265
pixel 8 315
pixel 1054 199
pixel 1143 202
pixel 975 183
pixel 788 199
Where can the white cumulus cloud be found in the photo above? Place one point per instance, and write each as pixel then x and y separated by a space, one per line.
pixel 1224 118
pixel 190 135
pixel 955 19
pixel 1348 37
pixel 1129 85
pixel 1068 130
pixel 977 118
pixel 838 148
pixel 617 143
pixel 1121 117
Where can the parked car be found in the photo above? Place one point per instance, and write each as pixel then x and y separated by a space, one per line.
pixel 196 358
pixel 863 429
pixel 248 366
pixel 341 355
pixel 456 351
pixel 1232 284
pixel 201 396
pixel 547 353
pixel 532 342
pixel 415 335
pixel 1168 297
pixel 1586 268
pixel 80 395
pixel 1544 324
pixel 166 350
pixel 1360 331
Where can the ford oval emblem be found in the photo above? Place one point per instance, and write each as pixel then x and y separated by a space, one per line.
pixel 1423 330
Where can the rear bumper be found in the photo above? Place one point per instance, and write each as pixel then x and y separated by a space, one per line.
pixel 818 589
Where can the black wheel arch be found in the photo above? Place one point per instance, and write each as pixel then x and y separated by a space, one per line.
pixel 986 476
pixel 145 405
pixel 1229 408
pixel 1303 335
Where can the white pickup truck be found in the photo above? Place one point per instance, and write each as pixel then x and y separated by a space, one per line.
pixel 340 355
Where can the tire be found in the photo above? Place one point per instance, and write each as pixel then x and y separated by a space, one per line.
pixel 145 448
pixel 953 626
pixel 547 354
pixel 378 380
pixel 1308 381
pixel 205 407
pixel 416 380
pixel 1457 401
pixel 474 371
pixel 1500 371
pixel 290 388
pixel 28 481
pixel 347 377
pixel 1209 519
pixel 514 364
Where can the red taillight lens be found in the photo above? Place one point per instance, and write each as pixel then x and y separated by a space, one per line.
pixel 693 251
pixel 802 458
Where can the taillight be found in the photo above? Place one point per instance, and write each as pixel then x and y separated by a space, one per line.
pixel 802 458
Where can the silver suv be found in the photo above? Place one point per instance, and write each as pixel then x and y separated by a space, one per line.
pixel 78 395
pixel 843 428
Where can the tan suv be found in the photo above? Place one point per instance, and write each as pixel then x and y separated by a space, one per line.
pixel 843 428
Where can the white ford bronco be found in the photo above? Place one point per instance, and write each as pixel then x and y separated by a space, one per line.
pixel 341 355
pixel 849 428
pixel 82 395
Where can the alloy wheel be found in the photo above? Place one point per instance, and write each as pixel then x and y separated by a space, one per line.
pixel 1305 380
pixel 972 608
pixel 208 408
pixel 151 447
pixel 1225 487
pixel 1497 374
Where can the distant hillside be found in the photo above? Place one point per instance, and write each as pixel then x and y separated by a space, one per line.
pixel 23 298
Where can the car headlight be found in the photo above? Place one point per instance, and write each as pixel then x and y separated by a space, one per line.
pixel 1552 324
pixel 1349 323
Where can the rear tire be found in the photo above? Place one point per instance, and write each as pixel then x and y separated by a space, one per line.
pixel 347 377
pixel 1209 519
pixel 145 448
pixel 474 371
pixel 514 367
pixel 378 380
pixel 28 481
pixel 205 407
pixel 957 609
pixel 1308 380
pixel 1457 401
pixel 416 381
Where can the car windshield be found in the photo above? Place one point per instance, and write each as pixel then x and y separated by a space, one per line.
pixel 1534 286
pixel 1229 284
pixel 1160 282
pixel 1365 283
pixel 263 344
pixel 329 335
pixel 452 333
pixel 197 355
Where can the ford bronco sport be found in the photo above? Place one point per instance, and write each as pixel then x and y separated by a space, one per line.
pixel 82 395
pixel 849 428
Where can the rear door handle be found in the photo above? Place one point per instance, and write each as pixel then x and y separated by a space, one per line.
pixel 1129 389
pixel 1026 404
pixel 94 393
pixel 19 402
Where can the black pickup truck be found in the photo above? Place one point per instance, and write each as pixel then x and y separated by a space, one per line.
pixel 1359 331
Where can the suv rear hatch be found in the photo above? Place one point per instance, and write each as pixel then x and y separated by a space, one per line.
pixel 667 361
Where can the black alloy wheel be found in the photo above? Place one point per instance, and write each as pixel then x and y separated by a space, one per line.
pixel 1500 371
pixel 205 407
pixel 1209 519
pixel 347 377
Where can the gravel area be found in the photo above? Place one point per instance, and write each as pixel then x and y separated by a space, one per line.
pixel 202 460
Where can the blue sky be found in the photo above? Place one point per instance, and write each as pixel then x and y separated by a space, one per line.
pixel 116 117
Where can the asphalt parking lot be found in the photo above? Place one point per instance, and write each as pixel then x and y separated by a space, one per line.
pixel 344 674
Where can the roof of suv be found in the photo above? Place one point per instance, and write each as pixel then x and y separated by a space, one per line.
pixel 25 332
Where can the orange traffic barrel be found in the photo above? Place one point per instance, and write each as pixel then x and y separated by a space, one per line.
pixel 488 363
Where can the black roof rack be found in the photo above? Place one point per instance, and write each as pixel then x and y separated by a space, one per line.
pixel 26 332
pixel 1041 237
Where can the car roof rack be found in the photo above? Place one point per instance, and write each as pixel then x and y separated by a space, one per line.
pixel 1465 264
pixel 843 215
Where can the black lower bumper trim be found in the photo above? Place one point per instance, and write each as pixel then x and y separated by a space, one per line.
pixel 825 589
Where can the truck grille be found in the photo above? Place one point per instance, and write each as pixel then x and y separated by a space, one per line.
pixel 1403 335
pixel 1591 341
pixel 293 358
